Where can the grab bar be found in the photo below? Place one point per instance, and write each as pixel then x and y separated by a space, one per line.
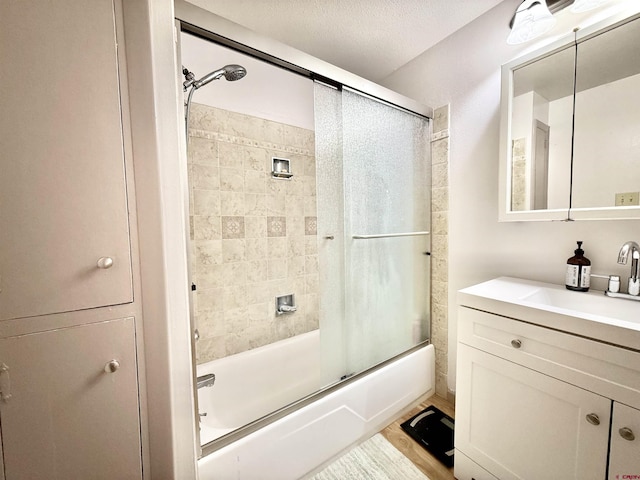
pixel 388 235
pixel 206 380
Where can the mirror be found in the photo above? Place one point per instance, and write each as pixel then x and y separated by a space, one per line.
pixel 606 153
pixel 570 136
pixel 541 117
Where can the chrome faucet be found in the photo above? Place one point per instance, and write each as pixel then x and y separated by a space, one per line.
pixel 623 255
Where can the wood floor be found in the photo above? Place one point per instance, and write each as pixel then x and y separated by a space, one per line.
pixel 428 464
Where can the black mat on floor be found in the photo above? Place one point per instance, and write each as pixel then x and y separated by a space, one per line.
pixel 433 429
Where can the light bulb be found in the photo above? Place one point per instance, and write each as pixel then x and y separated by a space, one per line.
pixel 532 19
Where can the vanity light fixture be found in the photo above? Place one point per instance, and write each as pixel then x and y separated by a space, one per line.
pixel 585 5
pixel 532 19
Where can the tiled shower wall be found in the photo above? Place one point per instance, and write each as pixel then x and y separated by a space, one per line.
pixel 253 237
pixel 440 244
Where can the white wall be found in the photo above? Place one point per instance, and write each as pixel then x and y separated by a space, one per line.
pixel 464 71
pixel 267 91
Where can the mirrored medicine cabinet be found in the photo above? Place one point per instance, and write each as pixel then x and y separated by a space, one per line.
pixel 570 127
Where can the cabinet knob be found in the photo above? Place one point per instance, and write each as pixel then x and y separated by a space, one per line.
pixel 627 434
pixel 112 366
pixel 516 343
pixel 593 419
pixel 105 262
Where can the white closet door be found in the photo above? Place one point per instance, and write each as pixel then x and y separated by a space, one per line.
pixel 72 413
pixel 63 202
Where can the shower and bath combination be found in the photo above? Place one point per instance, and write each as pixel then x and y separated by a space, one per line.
pixel 349 324
pixel 230 72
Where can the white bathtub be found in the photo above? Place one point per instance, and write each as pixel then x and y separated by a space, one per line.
pixel 302 441
pixel 252 384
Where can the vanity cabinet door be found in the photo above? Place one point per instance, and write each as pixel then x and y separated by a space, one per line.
pixel 624 460
pixel 63 195
pixel 520 424
pixel 73 410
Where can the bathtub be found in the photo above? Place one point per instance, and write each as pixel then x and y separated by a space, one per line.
pixel 303 441
pixel 252 384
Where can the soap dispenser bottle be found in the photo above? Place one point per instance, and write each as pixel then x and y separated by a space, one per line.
pixel 578 271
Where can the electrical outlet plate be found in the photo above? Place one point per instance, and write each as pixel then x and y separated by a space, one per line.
pixel 627 199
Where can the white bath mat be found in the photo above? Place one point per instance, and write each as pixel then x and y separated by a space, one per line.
pixel 375 459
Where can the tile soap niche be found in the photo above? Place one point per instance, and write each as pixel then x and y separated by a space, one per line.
pixel 286 304
pixel 281 168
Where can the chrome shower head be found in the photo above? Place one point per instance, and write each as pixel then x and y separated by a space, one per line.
pixel 229 72
pixel 234 72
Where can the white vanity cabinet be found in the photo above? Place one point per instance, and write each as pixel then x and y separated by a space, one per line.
pixel 625 442
pixel 69 406
pixel 64 219
pixel 536 402
pixel 526 425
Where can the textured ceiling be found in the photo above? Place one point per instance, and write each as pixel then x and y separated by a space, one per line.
pixel 371 38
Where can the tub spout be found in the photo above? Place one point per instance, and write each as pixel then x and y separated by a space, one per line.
pixel 206 380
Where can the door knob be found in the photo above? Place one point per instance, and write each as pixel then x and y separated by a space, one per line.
pixel 105 262
pixel 112 366
pixel 516 343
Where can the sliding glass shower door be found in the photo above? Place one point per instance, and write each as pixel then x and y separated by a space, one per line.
pixel 341 240
pixel 373 229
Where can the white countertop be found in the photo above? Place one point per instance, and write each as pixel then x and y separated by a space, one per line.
pixel 588 314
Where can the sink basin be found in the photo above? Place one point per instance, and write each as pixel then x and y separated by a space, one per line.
pixel 585 313
pixel 584 303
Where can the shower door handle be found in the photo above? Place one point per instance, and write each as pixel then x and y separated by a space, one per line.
pixel 389 235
